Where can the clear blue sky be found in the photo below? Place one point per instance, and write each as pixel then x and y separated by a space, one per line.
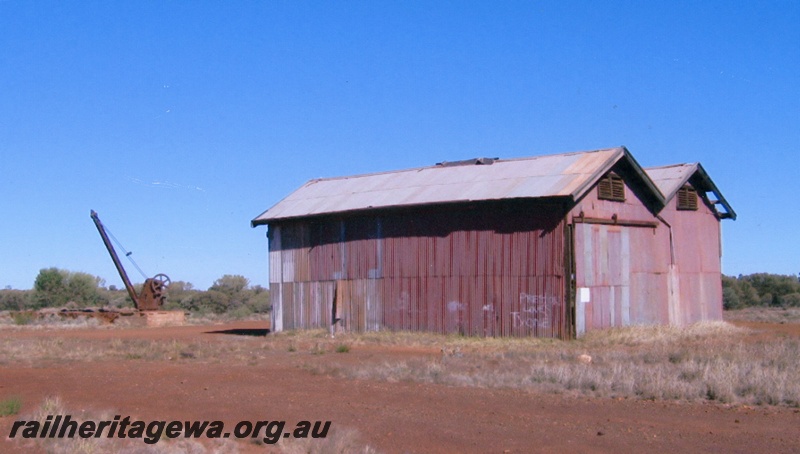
pixel 181 121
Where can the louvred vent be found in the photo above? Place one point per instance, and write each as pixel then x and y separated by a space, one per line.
pixel 687 198
pixel 611 187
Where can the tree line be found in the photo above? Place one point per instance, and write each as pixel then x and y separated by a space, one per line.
pixel 55 287
pixel 760 289
pixel 58 288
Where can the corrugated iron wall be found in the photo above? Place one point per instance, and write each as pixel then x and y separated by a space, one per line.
pixel 629 274
pixel 622 276
pixel 696 283
pixel 491 269
pixel 622 263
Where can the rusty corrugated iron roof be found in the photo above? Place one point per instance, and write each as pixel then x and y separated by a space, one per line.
pixel 669 179
pixel 560 175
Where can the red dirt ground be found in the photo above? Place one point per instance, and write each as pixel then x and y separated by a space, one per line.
pixel 392 417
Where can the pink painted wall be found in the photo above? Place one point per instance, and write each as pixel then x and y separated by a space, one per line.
pixel 666 274
pixel 623 269
pixel 697 249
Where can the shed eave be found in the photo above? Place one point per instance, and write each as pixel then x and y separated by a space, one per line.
pixel 566 175
pixel 729 212
pixel 266 220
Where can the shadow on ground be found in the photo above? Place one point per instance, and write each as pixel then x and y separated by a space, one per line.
pixel 242 332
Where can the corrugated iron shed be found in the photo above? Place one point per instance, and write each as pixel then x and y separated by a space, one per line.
pixel 489 247
pixel 566 175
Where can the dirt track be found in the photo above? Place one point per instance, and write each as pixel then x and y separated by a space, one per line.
pixel 393 417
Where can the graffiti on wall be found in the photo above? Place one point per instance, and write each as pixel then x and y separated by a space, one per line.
pixel 536 311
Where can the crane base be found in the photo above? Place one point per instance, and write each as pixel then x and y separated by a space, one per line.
pixel 163 318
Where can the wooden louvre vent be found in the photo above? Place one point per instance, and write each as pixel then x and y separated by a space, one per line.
pixel 611 187
pixel 687 198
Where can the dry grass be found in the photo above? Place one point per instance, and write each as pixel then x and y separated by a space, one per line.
pixel 26 320
pixel 339 440
pixel 50 319
pixel 77 445
pixel 61 350
pixel 709 361
pixel 211 319
pixel 765 315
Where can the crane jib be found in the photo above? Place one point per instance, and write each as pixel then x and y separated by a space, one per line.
pixel 154 289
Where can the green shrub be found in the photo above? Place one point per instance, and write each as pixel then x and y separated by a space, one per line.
pixel 15 300
pixel 760 289
pixel 10 406
pixel 241 312
pixel 791 300
pixel 23 317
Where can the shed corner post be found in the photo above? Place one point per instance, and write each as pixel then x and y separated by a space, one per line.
pixel 275 277
pixel 569 281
